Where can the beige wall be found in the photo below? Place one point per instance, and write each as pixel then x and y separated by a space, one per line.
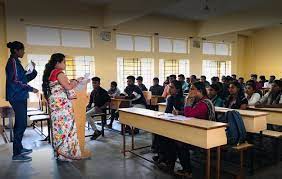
pixel 3 51
pixel 104 52
pixel 263 52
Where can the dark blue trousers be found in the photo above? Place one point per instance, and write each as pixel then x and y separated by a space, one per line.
pixel 20 109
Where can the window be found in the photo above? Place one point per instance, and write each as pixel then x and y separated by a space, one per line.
pixel 79 66
pixel 43 36
pixel 216 68
pixel 46 36
pixel 175 67
pixel 212 48
pixel 136 67
pixel 40 61
pixel 76 38
pixel 172 45
pixel 133 43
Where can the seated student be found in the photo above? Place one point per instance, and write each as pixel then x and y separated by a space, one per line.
pixel 101 100
pixel 188 80
pixel 269 83
pixel 241 81
pixel 198 106
pixel 234 76
pixel 166 90
pixel 113 91
pixel 212 92
pixel 185 87
pixel 254 77
pixel 262 80
pixel 134 93
pixel 156 89
pixel 140 84
pixel 224 93
pixel 236 99
pixel 251 93
pixel 272 99
pixel 203 79
pixel 165 145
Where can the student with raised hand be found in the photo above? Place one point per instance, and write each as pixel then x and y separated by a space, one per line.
pixel 140 84
pixel 251 93
pixel 212 92
pixel 156 89
pixel 17 90
pixel 198 106
pixel 272 99
pixel 236 98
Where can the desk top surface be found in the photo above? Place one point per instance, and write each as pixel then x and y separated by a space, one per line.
pixel 242 112
pixel 266 109
pixel 4 103
pixel 116 99
pixel 192 122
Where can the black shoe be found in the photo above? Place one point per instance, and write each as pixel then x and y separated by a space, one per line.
pixel 26 151
pixel 156 158
pixel 96 135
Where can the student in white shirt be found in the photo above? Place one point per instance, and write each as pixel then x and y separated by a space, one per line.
pixel 250 92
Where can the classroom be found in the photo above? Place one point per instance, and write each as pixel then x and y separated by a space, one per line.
pixel 141 89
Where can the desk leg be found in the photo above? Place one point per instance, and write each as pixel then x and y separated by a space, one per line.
pixel 11 128
pixel 208 164
pixel 218 163
pixel 132 138
pixel 123 137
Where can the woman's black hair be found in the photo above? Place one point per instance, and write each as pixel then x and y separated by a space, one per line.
pixel 238 85
pixel 201 87
pixel 114 83
pixel 49 67
pixel 178 86
pixel 16 45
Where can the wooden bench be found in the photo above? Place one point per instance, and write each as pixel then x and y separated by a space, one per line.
pixel 277 136
pixel 241 148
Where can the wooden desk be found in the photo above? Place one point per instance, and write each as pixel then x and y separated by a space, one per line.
pixel 274 117
pixel 117 103
pixel 6 110
pixel 201 133
pixel 254 121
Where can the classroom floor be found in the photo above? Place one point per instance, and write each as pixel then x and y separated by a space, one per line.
pixel 106 162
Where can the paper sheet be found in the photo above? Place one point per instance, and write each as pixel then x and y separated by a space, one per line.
pixel 81 85
pixel 170 116
pixel 29 68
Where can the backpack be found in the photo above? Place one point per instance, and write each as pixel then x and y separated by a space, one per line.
pixel 235 132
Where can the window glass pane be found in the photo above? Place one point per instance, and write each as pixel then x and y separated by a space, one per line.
pixel 43 36
pixel 124 42
pixel 142 44
pixel 179 46
pixel 222 49
pixel 208 48
pixel 76 38
pixel 184 67
pixel 165 45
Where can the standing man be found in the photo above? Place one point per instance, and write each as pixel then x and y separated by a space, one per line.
pixel 17 91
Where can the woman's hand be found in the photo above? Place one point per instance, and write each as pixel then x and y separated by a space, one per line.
pixel 175 112
pixel 74 83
